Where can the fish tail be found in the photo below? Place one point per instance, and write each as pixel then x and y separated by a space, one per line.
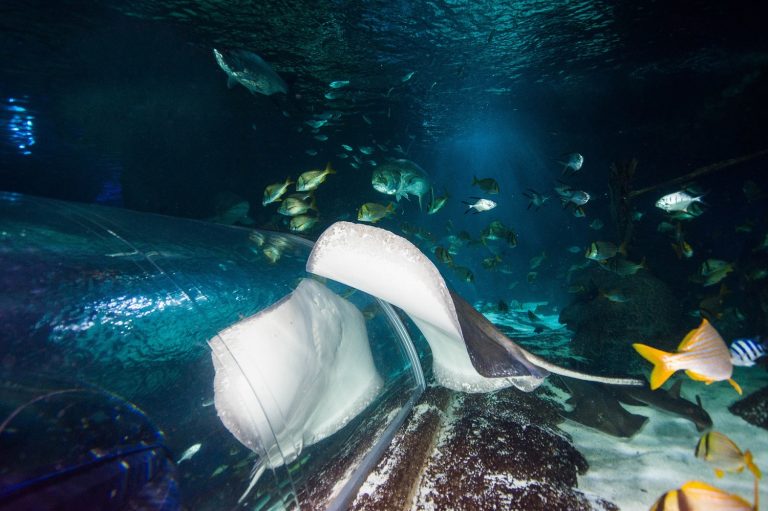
pixel 660 359
pixel 749 462
pixel 474 180
pixel 329 169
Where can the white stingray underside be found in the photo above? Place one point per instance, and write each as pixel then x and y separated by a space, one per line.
pixel 294 373
pixel 390 267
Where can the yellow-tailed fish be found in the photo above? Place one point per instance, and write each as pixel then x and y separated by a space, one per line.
pixel 702 354
pixel 601 250
pixel 698 496
pixel 293 206
pixel 274 191
pixel 713 271
pixel 373 212
pixel 719 450
pixel 311 179
pixel 302 223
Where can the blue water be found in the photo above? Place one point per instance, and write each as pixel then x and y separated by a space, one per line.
pixel 123 104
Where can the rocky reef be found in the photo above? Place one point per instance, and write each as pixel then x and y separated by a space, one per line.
pixel 604 330
pixel 479 451
pixel 753 408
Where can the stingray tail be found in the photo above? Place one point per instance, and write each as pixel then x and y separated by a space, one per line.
pixel 660 360
pixel 562 371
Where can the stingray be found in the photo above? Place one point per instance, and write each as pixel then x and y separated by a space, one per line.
pixel 469 353
pixel 594 406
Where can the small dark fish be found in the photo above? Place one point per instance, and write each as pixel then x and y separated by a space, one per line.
pixel 488 184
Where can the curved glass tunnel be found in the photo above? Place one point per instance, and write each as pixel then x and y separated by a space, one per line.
pixel 192 365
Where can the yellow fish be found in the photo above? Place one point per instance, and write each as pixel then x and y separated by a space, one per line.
pixel 302 223
pixel 373 212
pixel 293 206
pixel 724 454
pixel 702 354
pixel 274 191
pixel 698 496
pixel 311 179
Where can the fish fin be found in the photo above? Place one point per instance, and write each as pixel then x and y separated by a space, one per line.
pixel 231 82
pixel 530 204
pixel 661 372
pixel 749 462
pixel 329 169
pixel 474 180
pixel 698 377
pixel 692 336
pixel 675 390
pixel 735 385
pixel 623 249
pixel 719 472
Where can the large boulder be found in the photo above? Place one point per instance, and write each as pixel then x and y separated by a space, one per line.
pixel 604 329
pixel 460 451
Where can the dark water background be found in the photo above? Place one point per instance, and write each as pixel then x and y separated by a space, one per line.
pixel 126 106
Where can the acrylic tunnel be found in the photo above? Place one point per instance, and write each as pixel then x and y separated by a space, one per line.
pixel 175 364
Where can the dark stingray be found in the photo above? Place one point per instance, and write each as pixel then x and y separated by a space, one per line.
pixel 596 407
pixel 667 401
pixel 492 353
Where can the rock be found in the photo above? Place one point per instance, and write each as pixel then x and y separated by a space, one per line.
pixel 479 451
pixel 753 408
pixel 605 330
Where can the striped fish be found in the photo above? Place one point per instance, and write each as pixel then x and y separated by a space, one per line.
pixel 695 495
pixel 702 354
pixel 744 352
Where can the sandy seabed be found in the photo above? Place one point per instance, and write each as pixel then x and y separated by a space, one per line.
pixel 633 473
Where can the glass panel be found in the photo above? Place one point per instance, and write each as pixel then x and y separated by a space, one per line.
pixel 128 305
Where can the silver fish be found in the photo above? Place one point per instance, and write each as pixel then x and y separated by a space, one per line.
pixel 678 201
pixel 189 453
pixel 250 71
